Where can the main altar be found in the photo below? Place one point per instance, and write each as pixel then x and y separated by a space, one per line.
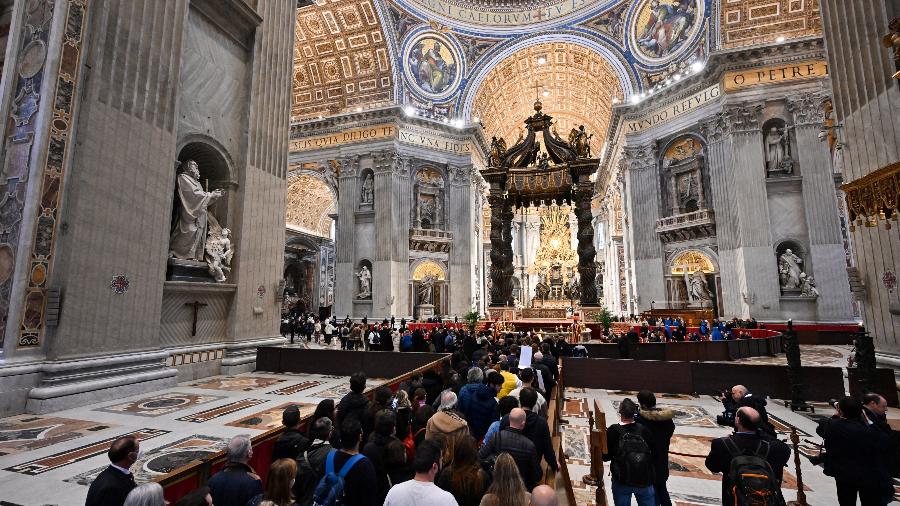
pixel 556 178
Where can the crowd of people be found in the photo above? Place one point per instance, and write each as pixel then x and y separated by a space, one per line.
pixel 476 434
pixel 860 451
pixel 675 330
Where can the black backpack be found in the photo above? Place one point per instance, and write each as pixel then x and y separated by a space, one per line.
pixel 753 483
pixel 633 463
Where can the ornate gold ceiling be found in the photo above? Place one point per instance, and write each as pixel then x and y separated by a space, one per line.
pixel 752 22
pixel 341 59
pixel 309 203
pixel 575 84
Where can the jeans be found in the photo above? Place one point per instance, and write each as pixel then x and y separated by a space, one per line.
pixel 662 494
pixel 622 495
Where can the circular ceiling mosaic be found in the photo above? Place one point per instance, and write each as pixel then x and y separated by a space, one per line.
pixel 661 30
pixel 433 64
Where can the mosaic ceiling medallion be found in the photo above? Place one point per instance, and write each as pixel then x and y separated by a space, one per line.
pixel 661 30
pixel 433 64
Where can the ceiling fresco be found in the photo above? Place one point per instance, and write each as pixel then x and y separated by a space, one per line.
pixel 575 84
pixel 471 60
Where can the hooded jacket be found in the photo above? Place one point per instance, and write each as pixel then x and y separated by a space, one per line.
pixel 289 445
pixel 388 455
pixel 661 426
pixel 310 469
pixel 453 427
pixel 353 405
pixel 478 404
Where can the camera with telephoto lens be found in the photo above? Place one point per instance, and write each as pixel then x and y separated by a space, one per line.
pixel 727 417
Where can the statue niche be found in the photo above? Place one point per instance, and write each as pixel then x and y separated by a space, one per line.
pixel 777 145
pixel 200 247
pixel 429 197
pixel 683 164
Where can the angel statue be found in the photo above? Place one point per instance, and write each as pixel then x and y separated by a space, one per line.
pixel 580 142
pixel 498 149
pixel 219 253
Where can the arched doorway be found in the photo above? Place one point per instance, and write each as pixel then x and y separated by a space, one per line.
pixel 692 281
pixel 428 286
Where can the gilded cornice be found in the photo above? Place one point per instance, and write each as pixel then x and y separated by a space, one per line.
pixel 874 197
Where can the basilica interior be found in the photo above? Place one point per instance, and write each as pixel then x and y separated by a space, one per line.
pixel 186 182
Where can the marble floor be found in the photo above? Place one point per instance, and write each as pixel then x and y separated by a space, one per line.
pixel 52 459
pixel 690 483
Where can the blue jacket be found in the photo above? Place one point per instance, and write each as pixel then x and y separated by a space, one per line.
pixel 478 402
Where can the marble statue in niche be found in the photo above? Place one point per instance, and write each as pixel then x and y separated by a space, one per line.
pixel 808 286
pixel 188 236
pixel 219 253
pixel 426 290
pixel 789 270
pixel 368 190
pixel 778 151
pixel 697 289
pixel 365 283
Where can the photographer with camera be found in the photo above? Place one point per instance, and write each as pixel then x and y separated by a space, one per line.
pixel 856 455
pixel 739 397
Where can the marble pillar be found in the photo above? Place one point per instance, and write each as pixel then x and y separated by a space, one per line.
pixel 643 212
pixel 461 225
pixel 345 232
pixel 826 249
pixel 757 267
pixel 387 234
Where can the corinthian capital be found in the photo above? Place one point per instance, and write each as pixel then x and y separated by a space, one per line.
pixel 640 157
pixel 744 117
pixel 808 108
pixel 716 127
pixel 461 176
pixel 349 166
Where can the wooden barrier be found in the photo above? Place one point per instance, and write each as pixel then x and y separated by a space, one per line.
pixel 702 351
pixel 822 383
pixel 597 448
pixel 181 481
pixel 566 478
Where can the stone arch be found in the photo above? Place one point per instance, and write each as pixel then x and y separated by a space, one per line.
pixel 424 266
pixel 310 202
pixel 692 259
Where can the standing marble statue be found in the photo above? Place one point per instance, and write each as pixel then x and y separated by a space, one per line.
pixel 189 232
pixel 219 253
pixel 697 289
pixel 426 290
pixel 778 158
pixel 789 270
pixel 365 283
pixel 368 189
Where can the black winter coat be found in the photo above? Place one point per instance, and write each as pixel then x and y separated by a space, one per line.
pixel 537 430
pixel 659 423
pixel 289 445
pixel 857 453
pixel 521 449
pixel 310 469
pixel 388 455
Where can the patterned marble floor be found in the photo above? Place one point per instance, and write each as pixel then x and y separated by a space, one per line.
pixel 690 483
pixel 52 459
